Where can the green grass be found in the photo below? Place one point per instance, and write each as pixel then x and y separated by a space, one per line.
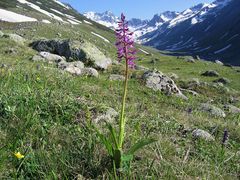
pixel 44 114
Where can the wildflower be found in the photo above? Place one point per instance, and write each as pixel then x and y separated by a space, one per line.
pixel 225 137
pixel 18 155
pixel 125 43
pixel 38 78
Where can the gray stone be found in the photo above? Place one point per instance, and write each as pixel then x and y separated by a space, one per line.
pixel 73 70
pixel 194 93
pixel 77 50
pixel 1 34
pixel 16 38
pixel 190 60
pixel 63 64
pixel 201 134
pixel 173 76
pixel 107 116
pixel 48 57
pixel 232 109
pixel 116 77
pixel 90 72
pixel 210 73
pixel 219 62
pixel 222 80
pixel 212 110
pixel 160 82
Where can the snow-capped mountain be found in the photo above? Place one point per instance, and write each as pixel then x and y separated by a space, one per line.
pixel 140 27
pixel 211 31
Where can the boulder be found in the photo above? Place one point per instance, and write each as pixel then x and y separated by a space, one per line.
pixel 16 38
pixel 63 64
pixel 160 82
pixel 1 34
pixel 201 134
pixel 232 109
pixel 212 110
pixel 76 50
pixel 48 57
pixel 106 116
pixel 90 72
pixel 222 80
pixel 116 77
pixel 219 62
pixel 210 73
pixel 73 70
pixel 190 60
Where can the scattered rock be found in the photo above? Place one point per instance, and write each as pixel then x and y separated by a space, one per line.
pixel 1 34
pixel 160 82
pixel 210 73
pixel 173 76
pixel 59 34
pixel 212 110
pixel 108 116
pixel 11 51
pixel 48 57
pixel 76 50
pixel 232 109
pixel 63 64
pixel 141 68
pixel 201 134
pixel 73 70
pixel 194 93
pixel 116 77
pixel 191 60
pixel 219 62
pixel 222 80
pixel 3 66
pixel 16 38
pixel 90 72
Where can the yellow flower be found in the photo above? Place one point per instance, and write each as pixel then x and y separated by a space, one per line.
pixel 19 155
pixel 38 78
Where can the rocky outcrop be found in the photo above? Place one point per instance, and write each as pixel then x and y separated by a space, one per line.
pixel 160 82
pixel 48 57
pixel 16 38
pixel 232 109
pixel 210 73
pixel 222 80
pixel 201 134
pixel 212 110
pixel 83 51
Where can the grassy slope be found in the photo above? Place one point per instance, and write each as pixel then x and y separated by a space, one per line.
pixel 39 115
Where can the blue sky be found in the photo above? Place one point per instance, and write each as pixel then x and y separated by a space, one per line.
pixel 143 9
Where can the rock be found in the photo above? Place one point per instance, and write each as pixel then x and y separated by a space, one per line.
pixel 1 34
pixel 212 110
pixel 3 66
pixel 159 82
pixel 201 134
pixel 116 77
pixel 16 38
pixel 107 116
pixel 198 58
pixel 59 34
pixel 90 72
pixel 63 64
pixel 228 65
pixel 232 109
pixel 222 80
pixel 141 68
pixel 73 70
pixel 173 76
pixel 194 93
pixel 194 82
pixel 219 62
pixel 11 51
pixel 210 73
pixel 191 60
pixel 48 57
pixel 76 50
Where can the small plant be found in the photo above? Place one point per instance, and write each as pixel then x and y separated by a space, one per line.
pixel 114 142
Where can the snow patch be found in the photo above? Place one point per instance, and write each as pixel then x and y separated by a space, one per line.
pixel 10 16
pixel 56 11
pixel 56 1
pixel 223 49
pixel 100 37
pixel 194 21
pixel 37 8
pixel 46 21
pixel 145 52
pixel 73 22
pixel 87 22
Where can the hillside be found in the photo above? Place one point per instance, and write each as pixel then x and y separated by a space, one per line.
pixel 49 102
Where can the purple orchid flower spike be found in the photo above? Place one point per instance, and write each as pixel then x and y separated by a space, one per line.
pixel 125 43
